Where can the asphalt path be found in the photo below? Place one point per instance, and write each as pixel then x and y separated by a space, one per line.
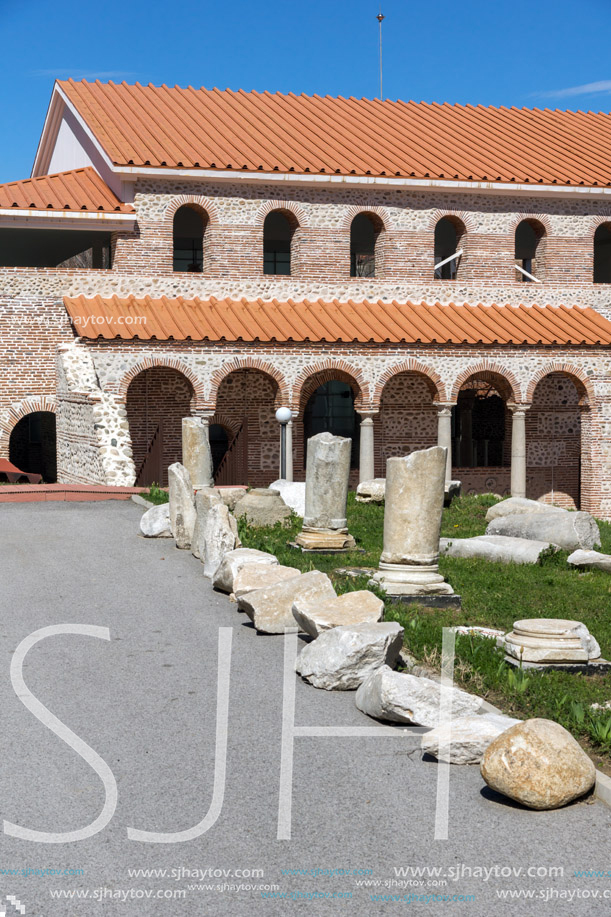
pixel 145 702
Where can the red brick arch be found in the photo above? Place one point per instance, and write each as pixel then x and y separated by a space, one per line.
pixel 17 412
pixel 410 366
pixel 541 218
pixel 170 363
pixel 598 221
pixel 268 207
pixel 241 363
pixel 354 211
pixel 482 369
pixel 463 216
pixel 197 200
pixel 581 380
pixel 311 377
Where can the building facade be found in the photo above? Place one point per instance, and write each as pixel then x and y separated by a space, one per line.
pixel 224 254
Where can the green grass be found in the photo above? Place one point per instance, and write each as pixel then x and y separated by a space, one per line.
pixel 156 495
pixel 493 594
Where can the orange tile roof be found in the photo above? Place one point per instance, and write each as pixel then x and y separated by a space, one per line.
pixel 79 189
pixel 201 128
pixel 411 323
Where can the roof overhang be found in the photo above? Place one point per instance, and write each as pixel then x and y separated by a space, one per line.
pixel 131 173
pixel 61 219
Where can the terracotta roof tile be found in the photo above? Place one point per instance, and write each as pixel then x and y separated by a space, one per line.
pixel 208 128
pixel 410 323
pixel 79 189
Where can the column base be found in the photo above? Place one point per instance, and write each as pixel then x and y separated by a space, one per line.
pixel 321 540
pixel 408 580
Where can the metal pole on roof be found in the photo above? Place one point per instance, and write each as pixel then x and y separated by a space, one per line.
pixel 380 17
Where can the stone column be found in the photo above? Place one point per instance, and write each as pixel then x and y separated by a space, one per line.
pixel 415 487
pixel 289 451
pixel 444 436
pixel 196 454
pixel 327 470
pixel 366 452
pixel 518 449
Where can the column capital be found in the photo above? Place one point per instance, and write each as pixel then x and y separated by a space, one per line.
pixel 368 413
pixel 516 408
pixel 444 407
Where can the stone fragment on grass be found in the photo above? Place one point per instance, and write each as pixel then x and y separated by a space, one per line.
pixel 270 608
pixel 464 740
pixel 539 764
pixel 259 576
pixel 371 491
pixel 567 530
pixel 590 559
pixel 293 494
pixel 359 607
pixel 231 496
pixel 342 658
pixel 262 507
pixel 233 561
pixel 403 698
pixel 495 548
pixel 155 522
pixel 519 506
pixel 182 505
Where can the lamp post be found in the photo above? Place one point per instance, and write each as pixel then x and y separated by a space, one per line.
pixel 283 416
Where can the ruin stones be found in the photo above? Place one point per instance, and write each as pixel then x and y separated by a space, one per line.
pixel 590 559
pixel 255 576
pixel 513 506
pixel 262 507
pixel 271 608
pixel 500 548
pixel 359 607
pixel 464 740
pixel 342 658
pixel 204 501
pixel 182 505
pixel 219 536
pixel 412 521
pixel 293 494
pixel 196 454
pixel 327 470
pixel 403 698
pixel 371 491
pixel 567 530
pixel 539 764
pixel 550 641
pixel 232 563
pixel 155 522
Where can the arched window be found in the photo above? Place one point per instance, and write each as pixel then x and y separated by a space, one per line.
pixel 448 234
pixel 278 232
pixel 529 249
pixel 364 232
pixel 330 409
pixel 602 254
pixel 189 229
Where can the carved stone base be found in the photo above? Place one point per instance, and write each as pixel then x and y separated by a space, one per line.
pixel 405 579
pixel 325 539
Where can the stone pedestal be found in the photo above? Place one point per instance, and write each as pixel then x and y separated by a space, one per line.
pixel 325 525
pixel 550 640
pixel 196 454
pixel 412 522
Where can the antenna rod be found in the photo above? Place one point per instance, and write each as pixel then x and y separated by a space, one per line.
pixel 380 17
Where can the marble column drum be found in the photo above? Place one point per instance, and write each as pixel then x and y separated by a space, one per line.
pixel 196 454
pixel 415 487
pixel 325 526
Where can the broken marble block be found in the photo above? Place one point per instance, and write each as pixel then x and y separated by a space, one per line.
pixel 255 576
pixel 464 740
pixel 271 609
pixel 361 607
pixel 155 522
pixel 233 561
pixel 341 658
pixel 403 698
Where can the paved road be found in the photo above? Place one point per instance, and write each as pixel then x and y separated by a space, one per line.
pixel 145 701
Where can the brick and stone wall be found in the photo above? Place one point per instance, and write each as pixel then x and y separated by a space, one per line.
pixel 97 429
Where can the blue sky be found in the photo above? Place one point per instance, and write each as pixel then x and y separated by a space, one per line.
pixel 548 53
